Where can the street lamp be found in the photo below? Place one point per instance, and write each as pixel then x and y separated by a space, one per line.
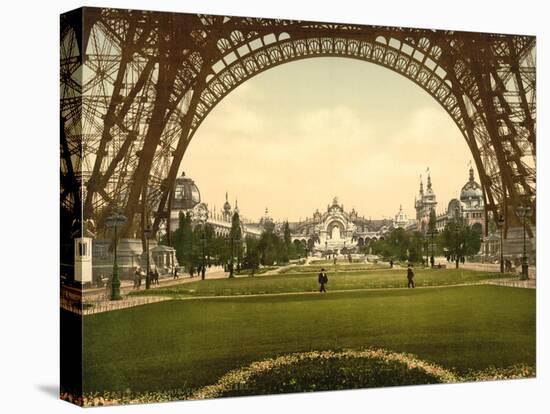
pixel 238 253
pixel 147 232
pixel 524 213
pixel 203 241
pixel 231 238
pixel 432 233
pixel 457 232
pixel 426 248
pixel 501 226
pixel 115 221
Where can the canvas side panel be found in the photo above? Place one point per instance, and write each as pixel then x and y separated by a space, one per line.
pixel 71 223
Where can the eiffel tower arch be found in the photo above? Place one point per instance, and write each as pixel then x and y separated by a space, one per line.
pixel 136 86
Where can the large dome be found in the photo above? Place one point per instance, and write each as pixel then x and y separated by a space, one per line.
pixel 471 190
pixel 186 193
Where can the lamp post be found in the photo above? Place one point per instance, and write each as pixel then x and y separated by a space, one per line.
pixel 115 221
pixel 457 233
pixel 524 212
pixel 231 254
pixel 203 241
pixel 501 226
pixel 426 247
pixel 238 239
pixel 432 233
pixel 146 234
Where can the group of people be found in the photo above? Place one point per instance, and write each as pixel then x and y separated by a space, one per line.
pixel 200 270
pixel 153 277
pixel 323 278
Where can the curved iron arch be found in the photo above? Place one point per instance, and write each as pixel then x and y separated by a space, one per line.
pixel 220 84
pixel 464 103
pixel 379 51
pixel 479 68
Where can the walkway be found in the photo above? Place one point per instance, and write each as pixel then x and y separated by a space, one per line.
pixel 495 268
pixel 104 305
pixel 514 282
pixel 127 286
pixel 277 270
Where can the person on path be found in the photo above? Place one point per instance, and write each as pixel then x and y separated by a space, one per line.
pixel 410 276
pixel 323 280
pixel 137 277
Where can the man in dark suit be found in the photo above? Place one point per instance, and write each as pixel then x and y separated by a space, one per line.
pixel 410 276
pixel 323 280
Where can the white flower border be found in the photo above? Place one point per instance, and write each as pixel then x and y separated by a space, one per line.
pixel 240 377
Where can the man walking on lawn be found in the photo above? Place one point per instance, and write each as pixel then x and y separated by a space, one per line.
pixel 323 280
pixel 410 276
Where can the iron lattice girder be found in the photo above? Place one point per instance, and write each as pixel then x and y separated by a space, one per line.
pixel 162 73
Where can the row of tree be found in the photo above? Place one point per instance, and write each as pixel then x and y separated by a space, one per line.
pixel 456 241
pixel 200 244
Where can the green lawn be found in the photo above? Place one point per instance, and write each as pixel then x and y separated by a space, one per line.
pixel 191 343
pixel 343 266
pixel 307 282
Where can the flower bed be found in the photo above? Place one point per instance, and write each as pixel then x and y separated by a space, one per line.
pixel 327 370
pixel 314 371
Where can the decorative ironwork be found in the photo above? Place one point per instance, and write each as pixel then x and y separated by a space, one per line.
pixel 136 85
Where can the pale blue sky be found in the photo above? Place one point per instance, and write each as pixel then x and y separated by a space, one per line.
pixel 299 134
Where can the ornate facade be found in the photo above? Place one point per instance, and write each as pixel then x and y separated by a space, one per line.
pixel 424 203
pixel 336 229
pixel 401 219
pixel 470 206
pixel 187 199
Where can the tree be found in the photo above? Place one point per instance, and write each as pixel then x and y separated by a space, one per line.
pixel 218 249
pixel 460 240
pixel 286 233
pixel 183 240
pixel 472 240
pixel 252 256
pixel 416 246
pixel 270 246
pixel 209 241
pixel 431 233
pixel 235 236
pixel 401 245
pixel 297 249
pixel 432 221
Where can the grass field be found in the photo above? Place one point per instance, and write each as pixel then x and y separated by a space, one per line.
pixel 185 344
pixel 307 282
pixel 344 266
